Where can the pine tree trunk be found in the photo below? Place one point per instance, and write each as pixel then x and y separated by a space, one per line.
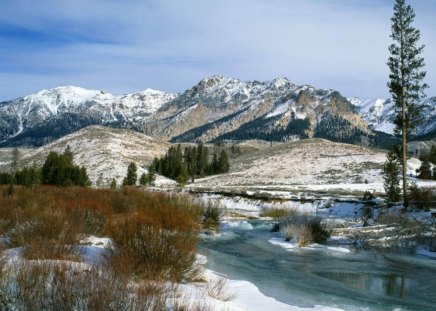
pixel 405 197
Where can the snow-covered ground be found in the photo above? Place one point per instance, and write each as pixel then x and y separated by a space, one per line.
pixel 310 165
pixel 247 297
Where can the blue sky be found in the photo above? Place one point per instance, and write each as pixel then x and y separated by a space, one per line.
pixel 127 46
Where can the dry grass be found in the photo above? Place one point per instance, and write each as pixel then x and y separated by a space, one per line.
pixel 218 289
pixel 280 212
pixel 304 229
pixel 51 285
pixel 154 238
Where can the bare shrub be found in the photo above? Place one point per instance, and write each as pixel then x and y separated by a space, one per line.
pixel 154 237
pixel 212 214
pixel 159 239
pixel 408 229
pixel 148 251
pixel 48 236
pixel 360 238
pixel 304 229
pixel 57 286
pixel 218 289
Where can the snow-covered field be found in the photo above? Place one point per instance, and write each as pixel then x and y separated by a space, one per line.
pixel 309 165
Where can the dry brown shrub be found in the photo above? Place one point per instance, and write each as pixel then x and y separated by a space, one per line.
pixel 148 251
pixel 155 234
pixel 277 212
pixel 50 285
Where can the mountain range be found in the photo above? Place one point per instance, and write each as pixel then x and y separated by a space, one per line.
pixel 217 108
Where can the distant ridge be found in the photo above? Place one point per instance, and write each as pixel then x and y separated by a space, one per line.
pixel 216 108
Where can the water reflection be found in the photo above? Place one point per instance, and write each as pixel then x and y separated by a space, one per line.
pixel 365 280
pixel 391 285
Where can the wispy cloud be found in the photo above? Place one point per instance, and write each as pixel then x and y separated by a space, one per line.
pixel 125 46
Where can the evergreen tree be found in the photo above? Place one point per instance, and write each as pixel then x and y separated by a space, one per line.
pixel 113 184
pixel 50 169
pixel 391 171
pixel 5 178
pixel 28 176
pixel 35 174
pixel 83 179
pixel 215 167
pixel 425 169
pixel 151 176
pixel 182 178
pixel 224 165
pixel 130 179
pixel 202 160
pixel 143 180
pixel 59 170
pixel 405 78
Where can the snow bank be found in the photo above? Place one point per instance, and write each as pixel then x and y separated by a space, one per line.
pixel 292 246
pixel 247 297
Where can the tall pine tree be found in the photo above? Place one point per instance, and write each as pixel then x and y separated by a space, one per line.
pixel 405 78
pixel 130 179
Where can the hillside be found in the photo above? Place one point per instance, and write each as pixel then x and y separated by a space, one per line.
pixel 313 164
pixel 105 152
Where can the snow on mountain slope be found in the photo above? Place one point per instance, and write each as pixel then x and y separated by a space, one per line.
pixel 105 152
pixel 226 108
pixel 215 109
pixel 380 114
pixel 24 113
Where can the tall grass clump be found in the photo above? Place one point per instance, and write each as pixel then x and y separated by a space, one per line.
pixel 304 229
pixel 278 212
pixel 212 214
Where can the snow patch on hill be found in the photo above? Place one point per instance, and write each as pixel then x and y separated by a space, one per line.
pixel 309 165
pixel 106 153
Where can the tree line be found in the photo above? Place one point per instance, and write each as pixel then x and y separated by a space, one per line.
pixel 58 170
pixel 192 162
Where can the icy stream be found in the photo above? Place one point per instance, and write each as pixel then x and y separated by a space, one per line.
pixel 364 280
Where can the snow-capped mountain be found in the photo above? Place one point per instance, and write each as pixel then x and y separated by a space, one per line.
pixel 49 114
pixel 224 108
pixel 216 108
pixel 380 115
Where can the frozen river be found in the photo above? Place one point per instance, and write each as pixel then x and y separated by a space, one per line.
pixel 359 280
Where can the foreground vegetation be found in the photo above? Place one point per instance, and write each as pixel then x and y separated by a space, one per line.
pixel 153 239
